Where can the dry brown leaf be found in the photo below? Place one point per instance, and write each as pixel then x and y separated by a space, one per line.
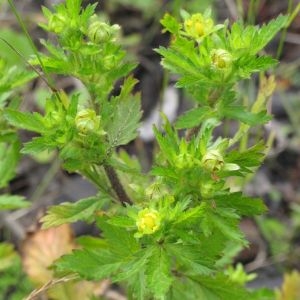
pixel 42 248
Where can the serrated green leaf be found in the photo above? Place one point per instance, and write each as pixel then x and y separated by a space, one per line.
pixel 8 202
pixel 191 215
pixel 240 113
pixel 227 224
pixel 221 288
pixel 124 122
pixel 135 265
pixel 38 145
pixel 67 212
pixel 170 24
pixel 192 258
pixel 137 287
pixel 178 63
pixel 267 32
pixel 249 64
pixel 244 206
pixel 121 242
pixel 32 122
pixel 92 265
pixel 158 273
pixel 193 117
pixel 251 157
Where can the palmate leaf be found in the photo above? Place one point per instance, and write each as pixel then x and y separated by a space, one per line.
pixel 67 212
pixel 8 202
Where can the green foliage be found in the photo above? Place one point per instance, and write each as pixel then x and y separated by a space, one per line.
pixel 7 256
pixel 72 212
pixel 14 284
pixel 172 237
pixel 12 202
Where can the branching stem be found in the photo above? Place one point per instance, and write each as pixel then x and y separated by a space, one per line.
pixel 117 185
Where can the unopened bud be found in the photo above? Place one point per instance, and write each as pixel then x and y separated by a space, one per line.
pixel 213 161
pixel 100 32
pixel 221 59
pixel 86 120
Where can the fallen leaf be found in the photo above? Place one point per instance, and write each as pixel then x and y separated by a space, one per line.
pixel 40 250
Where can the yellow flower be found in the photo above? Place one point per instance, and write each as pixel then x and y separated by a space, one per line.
pixel 148 221
pixel 197 26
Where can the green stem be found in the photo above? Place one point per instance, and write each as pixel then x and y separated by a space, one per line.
pixel 252 11
pixel 93 175
pixel 284 31
pixel 42 186
pixel 240 8
pixel 22 24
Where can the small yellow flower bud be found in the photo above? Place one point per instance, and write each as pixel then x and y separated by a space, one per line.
pixel 148 221
pixel 221 59
pixel 213 161
pixel 87 120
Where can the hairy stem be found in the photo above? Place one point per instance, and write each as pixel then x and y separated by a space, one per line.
pixel 117 186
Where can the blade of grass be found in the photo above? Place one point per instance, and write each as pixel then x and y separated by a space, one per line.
pixel 24 29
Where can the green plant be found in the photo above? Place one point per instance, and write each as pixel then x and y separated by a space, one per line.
pixel 167 234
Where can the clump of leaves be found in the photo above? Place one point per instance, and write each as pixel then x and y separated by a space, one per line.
pixel 169 236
